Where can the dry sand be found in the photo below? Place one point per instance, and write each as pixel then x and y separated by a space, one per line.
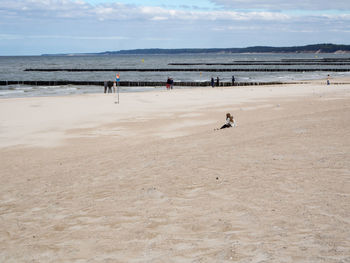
pixel 149 180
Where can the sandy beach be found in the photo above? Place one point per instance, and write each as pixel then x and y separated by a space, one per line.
pixel 84 179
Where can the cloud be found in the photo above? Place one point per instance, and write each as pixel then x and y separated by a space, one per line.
pixel 10 37
pixel 285 5
pixel 45 8
pixel 55 9
pixel 18 37
pixel 159 18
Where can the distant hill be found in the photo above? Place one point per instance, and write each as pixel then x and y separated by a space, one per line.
pixel 317 48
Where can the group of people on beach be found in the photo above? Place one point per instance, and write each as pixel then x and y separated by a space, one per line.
pixel 169 83
pixel 212 81
pixel 108 86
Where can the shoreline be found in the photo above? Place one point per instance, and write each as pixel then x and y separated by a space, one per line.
pixel 72 90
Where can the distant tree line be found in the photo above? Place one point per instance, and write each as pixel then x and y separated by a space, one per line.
pixel 322 48
pixel 319 48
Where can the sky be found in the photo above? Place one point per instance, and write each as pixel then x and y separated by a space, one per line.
pixel 35 27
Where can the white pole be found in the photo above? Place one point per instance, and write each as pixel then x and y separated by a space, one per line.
pixel 117 95
pixel 117 79
pixel 118 90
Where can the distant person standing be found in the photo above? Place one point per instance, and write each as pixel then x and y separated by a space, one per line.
pixel 168 83
pixel 233 80
pixel 109 87
pixel 105 86
pixel 171 83
pixel 328 79
pixel 217 81
pixel 212 82
pixel 114 86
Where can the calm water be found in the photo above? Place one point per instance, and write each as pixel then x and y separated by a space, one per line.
pixel 12 68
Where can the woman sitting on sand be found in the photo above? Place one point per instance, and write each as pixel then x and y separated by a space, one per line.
pixel 230 122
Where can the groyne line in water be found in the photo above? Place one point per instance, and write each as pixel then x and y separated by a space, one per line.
pixel 315 60
pixel 192 69
pixel 299 60
pixel 262 64
pixel 137 83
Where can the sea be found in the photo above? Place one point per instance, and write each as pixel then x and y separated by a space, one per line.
pixel 12 68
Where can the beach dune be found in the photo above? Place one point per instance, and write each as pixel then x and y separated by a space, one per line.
pixel 84 179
